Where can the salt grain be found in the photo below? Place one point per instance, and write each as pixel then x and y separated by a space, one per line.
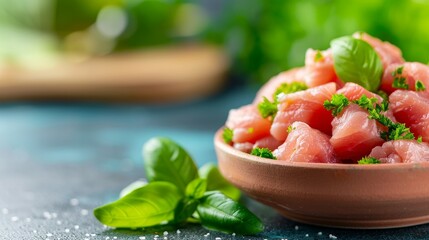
pixel 319 233
pixel 84 212
pixel 5 211
pixel 67 230
pixel 59 222
pixel 54 215
pixel 142 238
pixel 49 235
pixel 233 234
pixel 76 227
pixel 178 231
pixel 14 219
pixel 165 233
pixel 218 238
pixel 332 236
pixel 74 202
pixel 306 235
pixel 47 215
pixel 296 227
pixel 107 238
pixel 87 235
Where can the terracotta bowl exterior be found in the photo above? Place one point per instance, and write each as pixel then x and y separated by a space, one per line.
pixel 334 195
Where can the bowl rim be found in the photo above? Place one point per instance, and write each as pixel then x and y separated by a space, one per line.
pixel 219 143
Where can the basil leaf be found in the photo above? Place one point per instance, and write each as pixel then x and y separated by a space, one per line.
pixel 357 61
pixel 184 209
pixel 218 212
pixel 215 181
pixel 196 188
pixel 133 186
pixel 164 160
pixel 146 206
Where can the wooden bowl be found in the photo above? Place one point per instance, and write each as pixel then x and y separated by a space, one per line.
pixel 334 195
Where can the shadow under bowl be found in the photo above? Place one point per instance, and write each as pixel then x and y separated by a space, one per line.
pixel 333 195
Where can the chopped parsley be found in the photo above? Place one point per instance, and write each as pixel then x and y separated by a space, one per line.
pixel 267 108
pixel 369 160
pixel 395 131
pixel 398 71
pixel 290 129
pixel 420 86
pixel 318 57
pixel 420 139
pixel 250 130
pixel 365 102
pixel 383 94
pixel 399 81
pixel 263 152
pixel 287 88
pixel 227 135
pixel 337 104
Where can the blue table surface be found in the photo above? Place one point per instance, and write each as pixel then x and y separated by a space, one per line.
pixel 53 154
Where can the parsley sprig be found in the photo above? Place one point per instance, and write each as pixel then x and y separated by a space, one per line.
pixel 399 81
pixel 369 160
pixel 268 109
pixel 395 131
pixel 227 135
pixel 263 152
pixel 420 86
pixel 337 104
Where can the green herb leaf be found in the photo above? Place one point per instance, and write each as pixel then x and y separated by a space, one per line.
pixel 290 129
pixel 286 88
pixel 356 61
pixel 184 209
pixel 133 186
pixel 395 131
pixel 337 104
pixel 318 57
pixel 267 108
pixel 398 71
pixel 400 83
pixel 227 135
pixel 420 139
pixel 365 102
pixel 420 86
pixel 215 181
pixel 146 206
pixel 218 212
pixel 196 188
pixel 164 160
pixel 368 160
pixel 263 152
pixel 383 94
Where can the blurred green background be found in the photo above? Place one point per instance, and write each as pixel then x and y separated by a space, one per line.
pixel 261 37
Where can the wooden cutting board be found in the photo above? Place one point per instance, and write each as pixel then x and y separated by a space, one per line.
pixel 159 75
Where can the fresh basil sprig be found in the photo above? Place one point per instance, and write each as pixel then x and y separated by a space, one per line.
pixel 177 193
pixel 356 61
